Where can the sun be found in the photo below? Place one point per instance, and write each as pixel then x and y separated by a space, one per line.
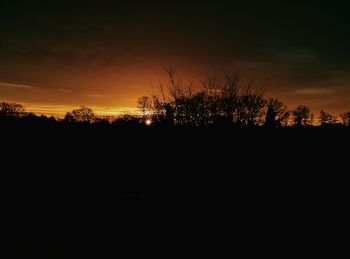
pixel 148 122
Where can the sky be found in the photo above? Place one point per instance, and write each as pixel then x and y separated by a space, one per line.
pixel 56 55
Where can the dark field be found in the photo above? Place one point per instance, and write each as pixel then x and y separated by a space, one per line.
pixel 73 192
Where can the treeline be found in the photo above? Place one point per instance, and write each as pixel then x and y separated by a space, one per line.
pixel 222 99
pixel 15 114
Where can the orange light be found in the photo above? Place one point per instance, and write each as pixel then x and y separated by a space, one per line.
pixel 148 122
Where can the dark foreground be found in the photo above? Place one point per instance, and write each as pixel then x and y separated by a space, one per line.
pixel 102 192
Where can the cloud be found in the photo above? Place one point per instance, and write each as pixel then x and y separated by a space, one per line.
pixel 313 91
pixel 16 86
pixel 64 90
pixel 97 96
pixel 298 55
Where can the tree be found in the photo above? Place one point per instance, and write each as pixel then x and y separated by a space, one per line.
pixel 327 119
pixel 83 114
pixel 169 115
pixel 181 98
pixel 69 118
pixel 346 118
pixel 11 110
pixel 251 107
pixel 220 99
pixel 277 114
pixel 144 105
pixel 198 110
pixel 301 115
pixel 222 92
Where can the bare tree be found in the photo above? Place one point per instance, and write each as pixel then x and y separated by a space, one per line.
pixel 11 110
pixel 277 114
pixel 251 108
pixel 327 119
pixel 198 110
pixel 220 97
pixel 301 115
pixel 161 110
pixel 222 92
pixel 181 98
pixel 229 98
pixel 83 114
pixel 177 87
pixel 144 105
pixel 212 83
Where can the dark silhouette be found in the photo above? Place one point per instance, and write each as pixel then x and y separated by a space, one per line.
pixel 251 107
pixel 144 105
pixel 81 173
pixel 11 110
pixel 301 115
pixel 128 121
pixel 277 114
pixel 221 98
pixel 81 115
pixel 327 119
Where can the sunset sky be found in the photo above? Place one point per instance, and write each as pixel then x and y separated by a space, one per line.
pixel 56 55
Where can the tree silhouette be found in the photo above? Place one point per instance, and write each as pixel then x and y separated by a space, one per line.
pixel 144 104
pixel 169 114
pixel 301 115
pixel 251 107
pixel 82 115
pixel 346 118
pixel 69 118
pixel 182 96
pixel 327 119
pixel 222 95
pixel 220 98
pixel 11 110
pixel 158 110
pixel 277 114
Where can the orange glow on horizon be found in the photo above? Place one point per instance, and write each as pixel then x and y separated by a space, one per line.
pixel 60 111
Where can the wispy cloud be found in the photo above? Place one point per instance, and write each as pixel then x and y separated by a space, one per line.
pixel 299 55
pixel 313 91
pixel 97 96
pixel 64 90
pixel 5 85
pixel 16 86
